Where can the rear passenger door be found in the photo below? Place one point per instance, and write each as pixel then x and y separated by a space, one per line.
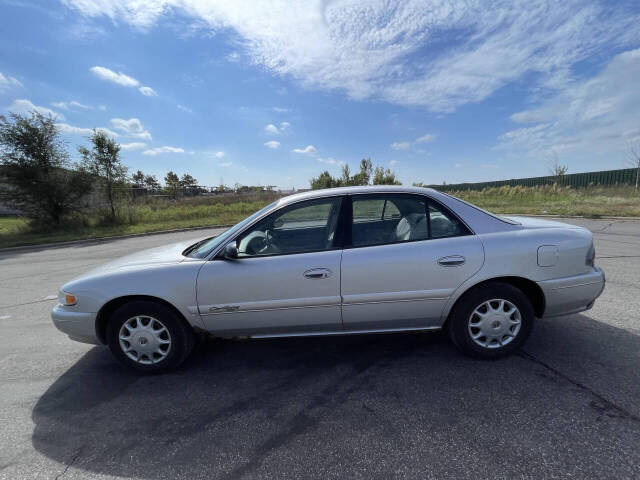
pixel 404 256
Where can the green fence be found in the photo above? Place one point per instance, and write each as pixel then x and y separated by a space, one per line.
pixel 625 176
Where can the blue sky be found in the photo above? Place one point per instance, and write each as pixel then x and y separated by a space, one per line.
pixel 272 93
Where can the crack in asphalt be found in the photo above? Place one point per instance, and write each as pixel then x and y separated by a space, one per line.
pixel 75 457
pixel 603 408
pixel 29 303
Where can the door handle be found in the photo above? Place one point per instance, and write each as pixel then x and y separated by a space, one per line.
pixel 452 261
pixel 317 273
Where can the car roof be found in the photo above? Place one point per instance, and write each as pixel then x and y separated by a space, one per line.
pixel 330 192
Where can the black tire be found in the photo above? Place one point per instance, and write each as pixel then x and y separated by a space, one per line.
pixel 459 320
pixel 181 335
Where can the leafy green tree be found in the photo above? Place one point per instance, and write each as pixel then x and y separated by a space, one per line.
pixel 187 181
pixel 382 176
pixel 138 178
pixel 363 177
pixel 172 184
pixel 36 175
pixel 151 182
pixel 103 161
pixel 325 180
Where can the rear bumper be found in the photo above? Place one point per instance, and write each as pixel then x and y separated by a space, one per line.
pixel 572 294
pixel 79 326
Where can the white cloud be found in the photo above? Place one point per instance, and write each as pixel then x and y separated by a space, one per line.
pixel 87 132
pixel 272 144
pixel 426 138
pixel 148 91
pixel 280 109
pixel 440 54
pixel 393 162
pixel 161 150
pixel 308 150
pixel 133 146
pixel 184 109
pixel 122 79
pixel 132 127
pixel 284 126
pixel 219 154
pixel 594 118
pixel 25 107
pixel 271 129
pixel 400 145
pixel 225 164
pixel 70 105
pixel 7 82
pixel 114 77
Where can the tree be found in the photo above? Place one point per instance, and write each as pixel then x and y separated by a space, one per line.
pixel 324 180
pixel 187 181
pixel 138 179
pixel 36 176
pixel 103 161
pixel 557 169
pixel 382 176
pixel 172 183
pixel 151 182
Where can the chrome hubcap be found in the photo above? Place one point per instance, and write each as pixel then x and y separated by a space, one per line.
pixel 145 340
pixel 494 323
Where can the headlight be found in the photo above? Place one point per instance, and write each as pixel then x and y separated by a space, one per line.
pixel 67 299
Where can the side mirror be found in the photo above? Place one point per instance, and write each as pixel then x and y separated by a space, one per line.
pixel 230 251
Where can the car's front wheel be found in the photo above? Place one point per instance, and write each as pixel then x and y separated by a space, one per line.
pixel 149 336
pixel 491 320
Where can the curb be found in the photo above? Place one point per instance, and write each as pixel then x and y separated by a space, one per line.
pixel 105 239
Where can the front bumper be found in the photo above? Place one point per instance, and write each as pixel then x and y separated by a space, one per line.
pixel 572 294
pixel 80 326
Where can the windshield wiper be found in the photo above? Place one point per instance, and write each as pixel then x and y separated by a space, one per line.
pixel 191 248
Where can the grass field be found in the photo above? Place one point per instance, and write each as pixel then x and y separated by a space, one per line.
pixel 154 215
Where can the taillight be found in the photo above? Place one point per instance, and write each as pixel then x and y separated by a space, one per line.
pixel 591 256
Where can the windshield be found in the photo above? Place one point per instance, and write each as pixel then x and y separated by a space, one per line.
pixel 204 247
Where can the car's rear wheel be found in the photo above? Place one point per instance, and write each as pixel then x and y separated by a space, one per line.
pixel 491 320
pixel 149 337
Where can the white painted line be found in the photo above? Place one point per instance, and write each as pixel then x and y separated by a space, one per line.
pixel 5 317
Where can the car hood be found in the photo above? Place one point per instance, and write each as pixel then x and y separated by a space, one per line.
pixel 532 222
pixel 167 254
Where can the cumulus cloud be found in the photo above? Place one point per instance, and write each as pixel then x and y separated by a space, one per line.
pixel 161 150
pixel 84 131
pixel 400 145
pixel 271 129
pixel 132 127
pixel 148 91
pixel 369 49
pixel 25 107
pixel 184 109
pixel 272 144
pixel 308 150
pixel 225 164
pixel 219 154
pixel 122 79
pixel 7 82
pixel 133 146
pixel 591 118
pixel 426 138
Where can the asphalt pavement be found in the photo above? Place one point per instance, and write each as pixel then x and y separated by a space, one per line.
pixel 378 406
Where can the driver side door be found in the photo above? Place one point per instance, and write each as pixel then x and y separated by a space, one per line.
pixel 286 278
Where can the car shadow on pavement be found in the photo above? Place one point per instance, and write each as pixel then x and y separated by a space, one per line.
pixel 403 405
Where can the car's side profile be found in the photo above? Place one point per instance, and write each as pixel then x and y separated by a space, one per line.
pixel 339 261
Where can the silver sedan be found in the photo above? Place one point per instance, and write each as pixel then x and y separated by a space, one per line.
pixel 335 262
